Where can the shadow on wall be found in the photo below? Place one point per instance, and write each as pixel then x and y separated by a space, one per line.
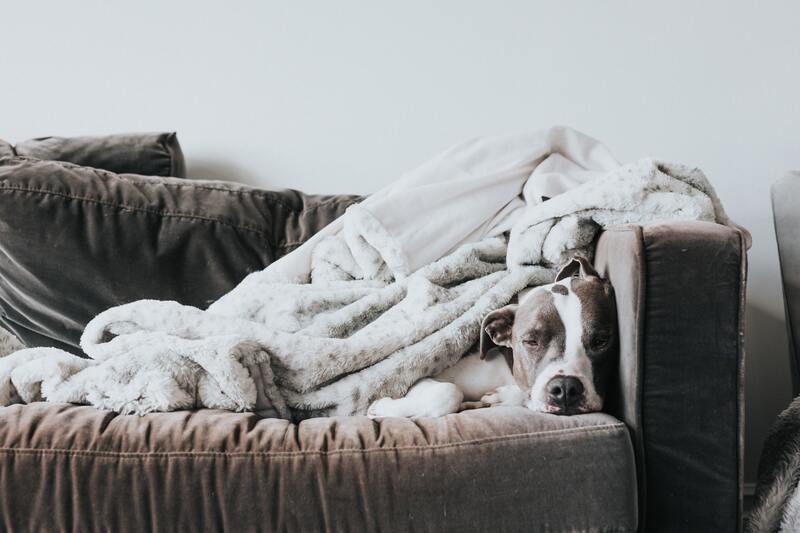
pixel 767 369
pixel 220 170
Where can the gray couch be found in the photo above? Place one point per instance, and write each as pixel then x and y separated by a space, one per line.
pixel 666 455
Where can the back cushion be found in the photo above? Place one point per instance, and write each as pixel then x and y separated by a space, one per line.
pixel 5 149
pixel 75 241
pixel 148 154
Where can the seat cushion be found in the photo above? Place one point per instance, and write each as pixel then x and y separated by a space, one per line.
pixel 66 467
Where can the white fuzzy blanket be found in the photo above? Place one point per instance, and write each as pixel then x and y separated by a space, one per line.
pixel 393 291
pixel 776 502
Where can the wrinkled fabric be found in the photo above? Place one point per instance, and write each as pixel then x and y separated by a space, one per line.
pixel 6 150
pixel 111 239
pixel 500 469
pixel 474 190
pixel 363 342
pixel 148 154
pixel 776 502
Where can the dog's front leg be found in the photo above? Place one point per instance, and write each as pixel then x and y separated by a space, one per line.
pixel 505 396
pixel 466 406
pixel 427 397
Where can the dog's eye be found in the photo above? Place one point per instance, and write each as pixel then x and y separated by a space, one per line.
pixel 598 343
pixel 533 342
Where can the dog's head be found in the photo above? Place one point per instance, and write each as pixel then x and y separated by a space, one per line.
pixel 560 340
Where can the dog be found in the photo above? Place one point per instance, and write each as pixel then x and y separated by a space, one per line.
pixel 551 352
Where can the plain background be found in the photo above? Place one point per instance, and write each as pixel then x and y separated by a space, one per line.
pixel 343 96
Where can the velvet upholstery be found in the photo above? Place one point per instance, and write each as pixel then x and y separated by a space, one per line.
pixel 504 469
pixel 6 150
pixel 680 290
pixel 111 239
pixel 149 154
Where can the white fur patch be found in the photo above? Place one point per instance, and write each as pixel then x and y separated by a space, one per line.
pixel 506 396
pixel 427 397
pixel 474 376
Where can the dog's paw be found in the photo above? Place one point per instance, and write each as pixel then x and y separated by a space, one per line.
pixel 509 395
pixel 380 408
pixel 467 406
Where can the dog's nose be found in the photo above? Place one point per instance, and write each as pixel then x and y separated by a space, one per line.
pixel 564 391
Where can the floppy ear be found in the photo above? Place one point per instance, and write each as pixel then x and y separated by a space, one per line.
pixel 577 265
pixel 496 329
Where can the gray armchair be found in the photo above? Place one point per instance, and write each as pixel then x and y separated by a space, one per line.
pixel 785 197
pixel 778 462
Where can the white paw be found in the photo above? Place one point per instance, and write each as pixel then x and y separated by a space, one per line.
pixel 508 395
pixel 380 408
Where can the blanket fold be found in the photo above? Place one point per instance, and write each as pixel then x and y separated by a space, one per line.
pixel 393 291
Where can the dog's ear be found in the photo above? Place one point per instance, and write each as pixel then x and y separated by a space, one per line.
pixel 577 265
pixel 496 329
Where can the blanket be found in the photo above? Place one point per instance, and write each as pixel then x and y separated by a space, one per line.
pixel 391 292
pixel 776 505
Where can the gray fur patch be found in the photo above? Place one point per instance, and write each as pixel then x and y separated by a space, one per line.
pixel 560 289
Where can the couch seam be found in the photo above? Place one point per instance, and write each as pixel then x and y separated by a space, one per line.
pixel 267 195
pixel 163 140
pixel 164 143
pixel 609 428
pixel 271 195
pixel 741 349
pixel 641 327
pixel 166 214
pixel 123 207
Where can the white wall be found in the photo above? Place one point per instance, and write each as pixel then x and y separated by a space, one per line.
pixel 342 96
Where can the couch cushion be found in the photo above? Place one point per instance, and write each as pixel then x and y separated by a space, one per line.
pixel 6 150
pixel 149 154
pixel 505 469
pixel 75 241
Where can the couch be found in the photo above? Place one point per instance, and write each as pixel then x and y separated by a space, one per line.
pixel 665 455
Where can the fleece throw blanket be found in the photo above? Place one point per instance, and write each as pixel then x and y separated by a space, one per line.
pixel 393 291
pixel 776 505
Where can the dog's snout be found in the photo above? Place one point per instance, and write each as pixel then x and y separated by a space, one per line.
pixel 565 392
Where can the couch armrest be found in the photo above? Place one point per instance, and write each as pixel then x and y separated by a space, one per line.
pixel 75 241
pixel 680 290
